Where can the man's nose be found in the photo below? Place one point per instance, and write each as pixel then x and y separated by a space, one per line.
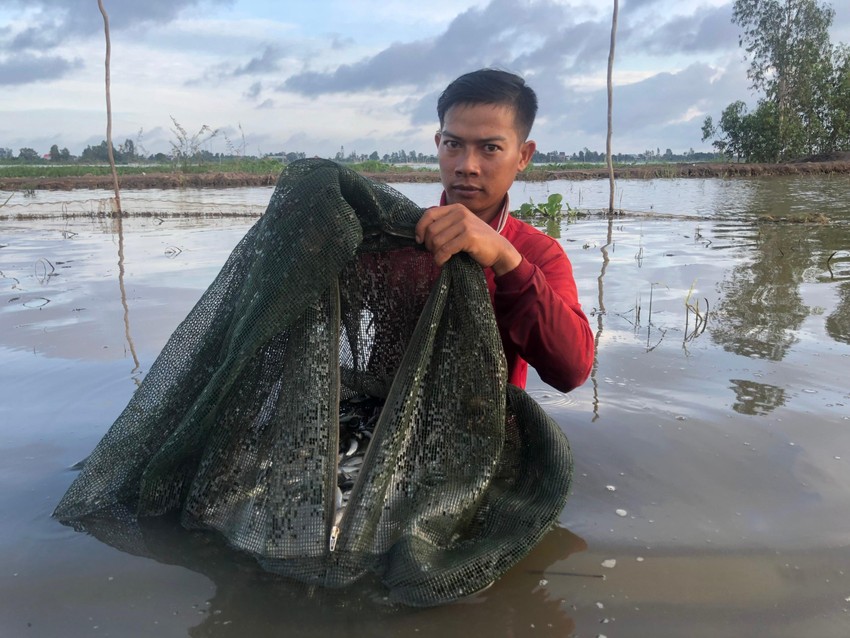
pixel 468 163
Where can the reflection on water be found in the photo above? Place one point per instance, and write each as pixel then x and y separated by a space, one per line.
pixel 600 316
pixel 251 602
pixel 752 397
pixel 838 322
pixel 762 309
pixel 119 225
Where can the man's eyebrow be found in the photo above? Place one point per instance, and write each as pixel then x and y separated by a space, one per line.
pixel 485 140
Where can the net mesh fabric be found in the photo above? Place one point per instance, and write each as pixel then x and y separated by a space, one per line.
pixel 235 427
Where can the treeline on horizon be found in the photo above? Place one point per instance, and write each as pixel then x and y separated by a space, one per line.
pixel 127 154
pixel 802 79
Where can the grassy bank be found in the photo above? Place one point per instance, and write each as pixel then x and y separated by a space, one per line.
pixel 250 166
pixel 254 172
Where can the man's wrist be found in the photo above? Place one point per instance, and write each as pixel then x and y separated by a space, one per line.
pixel 507 262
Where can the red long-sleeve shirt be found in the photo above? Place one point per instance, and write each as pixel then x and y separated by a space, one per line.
pixel 536 305
pixel 537 309
pixel 538 313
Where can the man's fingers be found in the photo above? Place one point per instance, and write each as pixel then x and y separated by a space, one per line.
pixel 429 217
pixel 446 242
pixel 432 225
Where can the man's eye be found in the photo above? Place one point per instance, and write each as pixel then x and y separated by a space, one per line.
pixel 491 148
pixel 451 143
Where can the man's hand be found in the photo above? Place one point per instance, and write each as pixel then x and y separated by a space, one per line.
pixel 446 230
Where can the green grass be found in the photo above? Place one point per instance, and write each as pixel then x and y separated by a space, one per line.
pixel 377 166
pixel 248 165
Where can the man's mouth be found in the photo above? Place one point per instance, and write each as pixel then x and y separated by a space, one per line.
pixel 465 188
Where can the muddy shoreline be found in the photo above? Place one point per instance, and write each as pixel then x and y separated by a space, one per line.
pixel 173 180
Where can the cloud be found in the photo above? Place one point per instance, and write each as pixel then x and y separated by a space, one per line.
pixel 540 39
pixel 707 29
pixel 24 68
pixel 58 21
pixel 53 24
pixel 664 106
pixel 340 42
pixel 562 52
pixel 495 35
pixel 267 62
pixel 254 91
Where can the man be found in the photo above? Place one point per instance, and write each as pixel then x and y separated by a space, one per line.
pixel 485 119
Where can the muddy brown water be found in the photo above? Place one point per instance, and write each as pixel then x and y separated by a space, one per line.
pixel 712 485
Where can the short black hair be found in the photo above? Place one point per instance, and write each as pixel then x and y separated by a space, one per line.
pixel 496 87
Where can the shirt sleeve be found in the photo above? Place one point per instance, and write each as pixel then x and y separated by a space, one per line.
pixel 538 312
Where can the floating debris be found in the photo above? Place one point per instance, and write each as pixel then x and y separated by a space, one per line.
pixel 44 270
pixel 37 302
pixel 609 563
pixel 610 488
pixel 622 513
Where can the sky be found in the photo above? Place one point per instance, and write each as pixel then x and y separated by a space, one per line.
pixel 316 76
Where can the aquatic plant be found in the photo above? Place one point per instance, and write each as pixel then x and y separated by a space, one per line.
pixel 700 318
pixel 553 209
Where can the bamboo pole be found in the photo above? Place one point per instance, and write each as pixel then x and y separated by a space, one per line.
pixel 109 152
pixel 610 108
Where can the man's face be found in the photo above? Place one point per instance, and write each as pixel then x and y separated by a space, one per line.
pixel 480 153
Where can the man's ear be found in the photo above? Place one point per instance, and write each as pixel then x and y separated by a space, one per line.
pixel 437 137
pixel 526 152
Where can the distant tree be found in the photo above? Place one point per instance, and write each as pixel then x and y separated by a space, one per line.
pixel 128 150
pixel 374 156
pixel 838 111
pixel 786 40
pixel 55 154
pixel 65 155
pixel 732 125
pixel 760 138
pixel 100 153
pixel 27 154
pixel 743 135
pixel 794 66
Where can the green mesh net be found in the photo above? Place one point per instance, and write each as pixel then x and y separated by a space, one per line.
pixel 327 301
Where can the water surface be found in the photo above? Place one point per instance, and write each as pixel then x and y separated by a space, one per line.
pixel 712 443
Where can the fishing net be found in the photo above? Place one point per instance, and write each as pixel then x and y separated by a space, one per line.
pixel 334 405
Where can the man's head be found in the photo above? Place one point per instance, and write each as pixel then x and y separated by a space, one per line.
pixel 485 118
pixel 496 88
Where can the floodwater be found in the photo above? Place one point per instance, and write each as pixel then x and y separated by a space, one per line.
pixel 712 443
